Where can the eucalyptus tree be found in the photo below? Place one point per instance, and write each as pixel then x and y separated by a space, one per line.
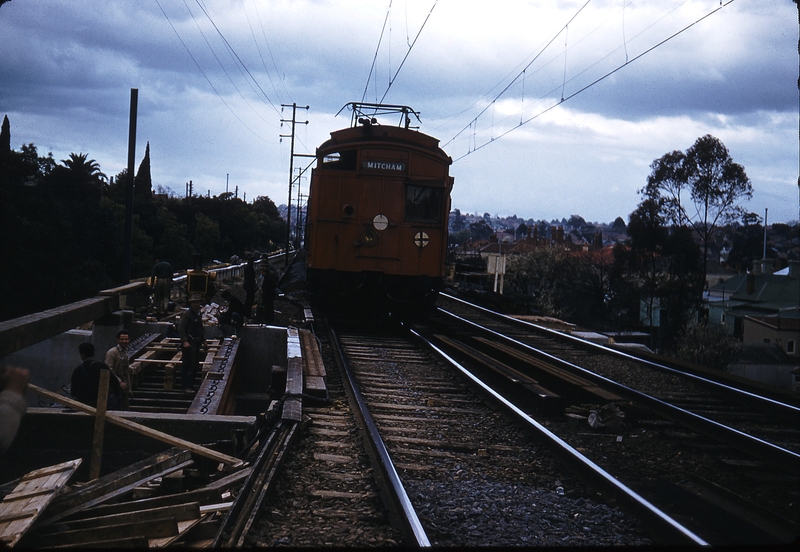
pixel 699 188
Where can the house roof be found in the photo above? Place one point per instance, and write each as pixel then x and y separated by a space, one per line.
pixel 771 293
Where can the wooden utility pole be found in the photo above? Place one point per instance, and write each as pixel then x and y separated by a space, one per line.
pixel 291 176
pixel 126 269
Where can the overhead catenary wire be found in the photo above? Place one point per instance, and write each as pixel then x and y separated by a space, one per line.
pixel 584 88
pixel 260 53
pixel 206 76
pixel 377 49
pixel 411 47
pixel 516 78
pixel 221 65
pixel 281 75
pixel 233 52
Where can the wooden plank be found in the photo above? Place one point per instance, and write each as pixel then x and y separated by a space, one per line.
pixel 139 543
pixel 116 483
pixel 151 529
pixel 25 331
pixel 30 497
pixel 225 483
pixel 315 385
pixel 179 512
pixel 312 359
pixel 543 366
pixel 292 410
pixel 201 496
pixel 143 430
pixel 183 528
pixel 294 376
pixel 36 474
pixel 293 405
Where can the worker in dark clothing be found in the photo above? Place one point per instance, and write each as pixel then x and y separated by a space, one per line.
pixel 13 384
pixel 266 301
pixel 233 317
pixel 193 338
pixel 86 379
pixel 162 285
pixel 249 285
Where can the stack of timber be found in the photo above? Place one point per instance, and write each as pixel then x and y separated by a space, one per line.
pixel 153 503
pixel 189 495
pixel 313 367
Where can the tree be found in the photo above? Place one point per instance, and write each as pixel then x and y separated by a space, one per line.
pixel 143 182
pixel 480 230
pixel 647 235
pixel 82 176
pixel 82 168
pixel 618 225
pixel 747 241
pixel 560 284
pixel 458 222
pixel 707 345
pixel 713 182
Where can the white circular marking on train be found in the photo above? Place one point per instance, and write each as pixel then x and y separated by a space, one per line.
pixel 380 222
pixel 421 239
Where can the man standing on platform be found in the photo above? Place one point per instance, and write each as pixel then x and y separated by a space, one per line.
pixel 85 381
pixel 193 337
pixel 117 360
pixel 162 285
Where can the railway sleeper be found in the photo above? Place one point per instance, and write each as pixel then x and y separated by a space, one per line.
pixel 544 399
pixel 553 373
pixel 736 520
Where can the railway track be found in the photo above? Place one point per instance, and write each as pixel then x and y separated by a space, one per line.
pixel 688 452
pixel 435 435
pixel 469 475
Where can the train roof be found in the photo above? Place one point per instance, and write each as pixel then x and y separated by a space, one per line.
pixel 365 129
pixel 372 134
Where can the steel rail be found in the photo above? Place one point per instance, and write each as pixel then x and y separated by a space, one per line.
pixel 773 405
pixel 400 504
pixel 778 456
pixel 256 487
pixel 666 527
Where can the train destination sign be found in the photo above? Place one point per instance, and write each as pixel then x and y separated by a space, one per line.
pixel 383 166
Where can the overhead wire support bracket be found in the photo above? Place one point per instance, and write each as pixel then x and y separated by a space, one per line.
pixel 294 122
pixel 367 113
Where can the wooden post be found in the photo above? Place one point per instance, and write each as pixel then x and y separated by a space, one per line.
pixel 99 425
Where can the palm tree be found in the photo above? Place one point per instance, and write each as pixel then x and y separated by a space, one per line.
pixel 85 171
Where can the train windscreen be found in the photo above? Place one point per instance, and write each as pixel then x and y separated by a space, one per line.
pixel 423 203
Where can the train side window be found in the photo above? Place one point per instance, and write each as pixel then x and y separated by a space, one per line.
pixel 423 203
pixel 340 160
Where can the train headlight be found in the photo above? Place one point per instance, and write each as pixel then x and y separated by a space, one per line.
pixel 369 237
pixel 380 222
pixel 421 239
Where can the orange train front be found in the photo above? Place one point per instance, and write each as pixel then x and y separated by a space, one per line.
pixel 379 200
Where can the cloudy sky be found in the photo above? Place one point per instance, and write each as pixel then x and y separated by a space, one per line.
pixel 487 78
